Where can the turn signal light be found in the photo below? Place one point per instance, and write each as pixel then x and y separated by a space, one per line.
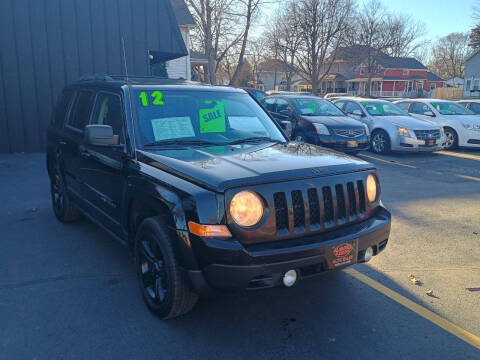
pixel 208 230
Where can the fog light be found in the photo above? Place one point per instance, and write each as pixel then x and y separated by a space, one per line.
pixel 368 254
pixel 290 278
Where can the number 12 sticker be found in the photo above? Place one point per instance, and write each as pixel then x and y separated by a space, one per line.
pixel 156 96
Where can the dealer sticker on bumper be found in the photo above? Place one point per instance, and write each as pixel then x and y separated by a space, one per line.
pixel 342 254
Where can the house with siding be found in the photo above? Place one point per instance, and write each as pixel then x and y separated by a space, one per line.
pixel 471 87
pixel 274 75
pixel 395 77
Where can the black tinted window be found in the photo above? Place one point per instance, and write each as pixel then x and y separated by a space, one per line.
pixel 62 107
pixel 475 107
pixel 269 104
pixel 81 112
pixel 108 111
pixel 281 105
pixel 419 108
pixel 403 105
pixel 350 106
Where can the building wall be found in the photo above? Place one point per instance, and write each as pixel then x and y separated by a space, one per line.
pixel 471 87
pixel 45 45
pixel 180 68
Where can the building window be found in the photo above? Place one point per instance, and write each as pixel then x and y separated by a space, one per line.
pixel 362 71
pixel 410 86
pixel 476 84
pixel 468 85
pixel 433 86
pixel 405 72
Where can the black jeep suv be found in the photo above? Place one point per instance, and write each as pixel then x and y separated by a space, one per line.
pixel 206 189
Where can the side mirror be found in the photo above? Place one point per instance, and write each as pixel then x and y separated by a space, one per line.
pixel 99 135
pixel 357 112
pixel 429 113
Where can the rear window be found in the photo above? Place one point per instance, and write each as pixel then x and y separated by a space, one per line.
pixel 81 111
pixel 62 107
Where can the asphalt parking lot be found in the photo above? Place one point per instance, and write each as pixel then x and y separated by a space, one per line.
pixel 69 291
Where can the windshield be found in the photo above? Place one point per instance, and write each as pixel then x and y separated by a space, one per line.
pixel 379 108
pixel 451 108
pixel 166 117
pixel 259 95
pixel 315 107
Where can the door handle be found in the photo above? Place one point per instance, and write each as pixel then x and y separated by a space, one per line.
pixel 84 152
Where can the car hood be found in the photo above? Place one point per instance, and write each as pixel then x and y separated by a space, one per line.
pixel 410 122
pixel 221 167
pixel 335 121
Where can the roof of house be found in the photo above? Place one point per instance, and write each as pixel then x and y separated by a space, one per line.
pixel 400 63
pixel 472 54
pixel 182 14
pixel 433 77
pixel 354 53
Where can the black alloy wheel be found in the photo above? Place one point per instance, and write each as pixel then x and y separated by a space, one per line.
pixel 162 283
pixel 380 142
pixel 62 206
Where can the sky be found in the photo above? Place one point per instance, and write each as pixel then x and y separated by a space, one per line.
pixel 441 17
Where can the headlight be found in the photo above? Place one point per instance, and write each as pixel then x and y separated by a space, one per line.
pixel 246 208
pixel 367 130
pixel 321 129
pixel 371 188
pixel 402 131
pixel 471 126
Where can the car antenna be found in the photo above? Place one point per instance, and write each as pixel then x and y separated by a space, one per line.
pixel 129 98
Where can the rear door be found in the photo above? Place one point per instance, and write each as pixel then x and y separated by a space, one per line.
pixel 72 139
pixel 418 109
pixel 103 166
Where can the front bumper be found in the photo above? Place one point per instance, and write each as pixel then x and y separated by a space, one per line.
pixel 344 144
pixel 234 266
pixel 410 144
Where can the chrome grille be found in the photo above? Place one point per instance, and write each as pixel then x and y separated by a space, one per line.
pixel 427 134
pixel 349 133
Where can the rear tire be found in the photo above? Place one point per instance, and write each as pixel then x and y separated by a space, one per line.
pixel 380 143
pixel 62 205
pixel 163 286
pixel 452 139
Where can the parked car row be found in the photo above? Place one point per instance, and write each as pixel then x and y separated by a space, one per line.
pixel 357 124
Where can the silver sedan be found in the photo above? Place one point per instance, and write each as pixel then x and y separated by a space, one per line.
pixel 392 128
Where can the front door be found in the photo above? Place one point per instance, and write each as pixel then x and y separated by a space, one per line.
pixel 103 166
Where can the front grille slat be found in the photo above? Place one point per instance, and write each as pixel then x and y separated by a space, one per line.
pixel 427 134
pixel 298 209
pixel 349 133
pixel 320 208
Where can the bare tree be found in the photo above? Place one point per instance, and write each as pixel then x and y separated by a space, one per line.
pixel 248 9
pixel 323 24
pixel 404 34
pixel 449 54
pixel 217 31
pixel 374 34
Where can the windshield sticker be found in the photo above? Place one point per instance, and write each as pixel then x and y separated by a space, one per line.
pixel 155 98
pixel 312 106
pixel 172 128
pixel 212 119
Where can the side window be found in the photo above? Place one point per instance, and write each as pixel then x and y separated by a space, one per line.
pixel 419 108
pixel 269 104
pixel 281 105
pixel 340 104
pixel 81 110
pixel 62 107
pixel 403 105
pixel 475 107
pixel 350 106
pixel 108 111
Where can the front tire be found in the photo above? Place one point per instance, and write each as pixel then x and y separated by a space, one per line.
pixel 163 287
pixel 62 205
pixel 452 139
pixel 380 142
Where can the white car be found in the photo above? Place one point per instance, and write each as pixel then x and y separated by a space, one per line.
pixel 392 128
pixel 461 125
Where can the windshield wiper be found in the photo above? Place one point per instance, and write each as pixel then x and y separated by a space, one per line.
pixel 182 142
pixel 253 139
